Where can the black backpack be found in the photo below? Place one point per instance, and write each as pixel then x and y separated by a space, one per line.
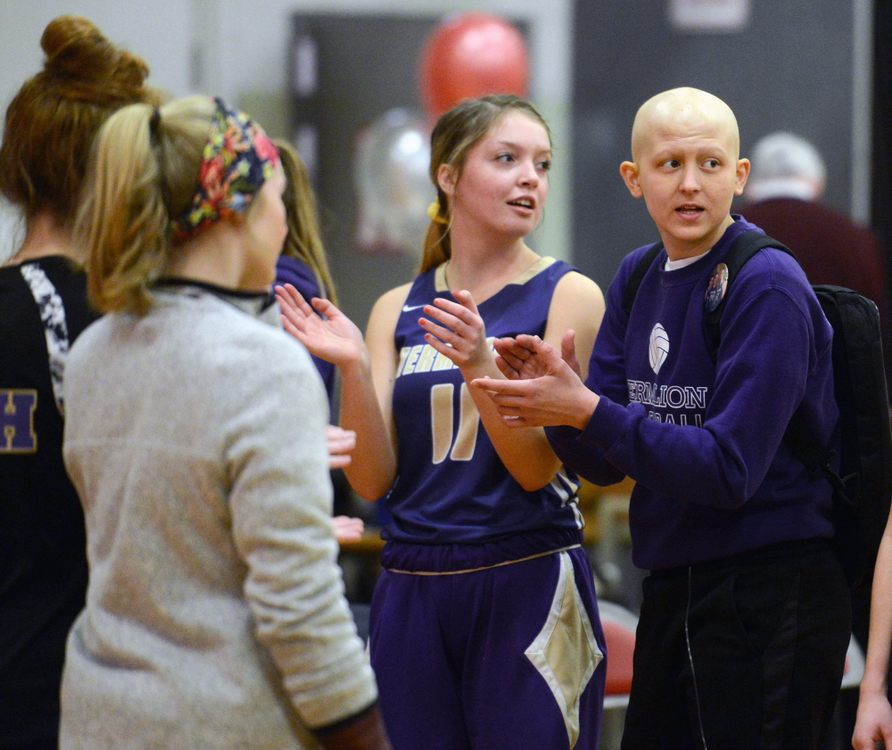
pixel 862 488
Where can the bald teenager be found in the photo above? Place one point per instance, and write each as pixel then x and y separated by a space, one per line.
pixel 746 613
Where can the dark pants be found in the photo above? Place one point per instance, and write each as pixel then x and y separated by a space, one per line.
pixel 505 658
pixel 743 653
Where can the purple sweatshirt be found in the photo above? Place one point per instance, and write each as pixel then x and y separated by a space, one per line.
pixel 702 440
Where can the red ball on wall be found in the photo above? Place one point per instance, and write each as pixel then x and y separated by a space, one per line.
pixel 471 55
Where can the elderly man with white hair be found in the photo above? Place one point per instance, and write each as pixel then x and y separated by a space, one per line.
pixel 784 197
pixel 784 165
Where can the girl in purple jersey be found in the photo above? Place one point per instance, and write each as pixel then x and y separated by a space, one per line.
pixel 484 573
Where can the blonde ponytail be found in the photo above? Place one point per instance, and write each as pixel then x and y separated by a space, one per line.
pixel 144 170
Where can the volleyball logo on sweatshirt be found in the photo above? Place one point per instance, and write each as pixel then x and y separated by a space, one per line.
pixel 658 348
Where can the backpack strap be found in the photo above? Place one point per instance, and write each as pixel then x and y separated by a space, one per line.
pixel 744 248
pixel 816 457
pixel 641 267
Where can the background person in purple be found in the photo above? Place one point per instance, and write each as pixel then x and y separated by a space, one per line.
pixel 746 613
pixel 303 264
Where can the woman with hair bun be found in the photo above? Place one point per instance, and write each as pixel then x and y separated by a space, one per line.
pixel 215 613
pixel 49 129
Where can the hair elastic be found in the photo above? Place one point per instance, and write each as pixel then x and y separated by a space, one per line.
pixel 154 121
pixel 433 210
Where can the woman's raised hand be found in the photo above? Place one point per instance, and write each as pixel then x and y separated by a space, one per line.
pixel 332 337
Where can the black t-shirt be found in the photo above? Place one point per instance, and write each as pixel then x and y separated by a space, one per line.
pixel 43 567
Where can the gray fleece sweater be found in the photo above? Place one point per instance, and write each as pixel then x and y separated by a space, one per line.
pixel 215 614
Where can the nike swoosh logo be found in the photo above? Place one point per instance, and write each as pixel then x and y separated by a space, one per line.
pixel 407 308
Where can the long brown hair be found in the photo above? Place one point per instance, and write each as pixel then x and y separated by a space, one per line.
pixel 52 120
pixel 303 241
pixel 454 135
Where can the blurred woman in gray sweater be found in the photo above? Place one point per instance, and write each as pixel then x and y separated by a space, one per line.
pixel 215 612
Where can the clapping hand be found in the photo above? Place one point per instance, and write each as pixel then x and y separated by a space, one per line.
pixel 543 387
pixel 456 330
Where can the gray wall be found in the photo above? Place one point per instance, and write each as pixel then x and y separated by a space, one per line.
pixel 359 79
pixel 791 68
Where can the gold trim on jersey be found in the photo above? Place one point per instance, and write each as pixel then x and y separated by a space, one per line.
pixel 522 278
pixel 485 567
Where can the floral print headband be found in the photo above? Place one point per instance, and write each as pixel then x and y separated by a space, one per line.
pixel 238 158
